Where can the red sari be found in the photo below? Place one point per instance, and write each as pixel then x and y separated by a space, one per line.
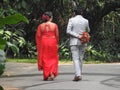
pixel 47 48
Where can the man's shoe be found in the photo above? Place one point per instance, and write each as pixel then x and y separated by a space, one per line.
pixel 77 78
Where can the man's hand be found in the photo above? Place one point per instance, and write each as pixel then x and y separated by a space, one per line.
pixel 79 36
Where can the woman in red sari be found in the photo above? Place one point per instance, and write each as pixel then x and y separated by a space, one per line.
pixel 47 38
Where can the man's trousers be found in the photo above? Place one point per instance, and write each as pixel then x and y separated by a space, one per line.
pixel 77 57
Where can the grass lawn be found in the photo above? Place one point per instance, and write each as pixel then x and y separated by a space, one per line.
pixel 60 61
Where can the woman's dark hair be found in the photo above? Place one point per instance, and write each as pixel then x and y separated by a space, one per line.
pixel 47 15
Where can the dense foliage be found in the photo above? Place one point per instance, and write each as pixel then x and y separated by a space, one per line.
pixel 5 41
pixel 103 16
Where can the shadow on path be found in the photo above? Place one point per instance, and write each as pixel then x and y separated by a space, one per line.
pixel 36 74
pixel 112 82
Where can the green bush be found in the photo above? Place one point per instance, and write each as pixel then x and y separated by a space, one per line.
pixel 1 88
pixel 2 61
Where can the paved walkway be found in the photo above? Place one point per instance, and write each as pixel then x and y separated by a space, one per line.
pixel 22 76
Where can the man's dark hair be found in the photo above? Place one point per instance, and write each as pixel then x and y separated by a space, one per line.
pixel 78 10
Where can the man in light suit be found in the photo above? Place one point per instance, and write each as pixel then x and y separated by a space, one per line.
pixel 76 26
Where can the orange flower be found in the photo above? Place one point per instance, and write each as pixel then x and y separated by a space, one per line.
pixel 85 38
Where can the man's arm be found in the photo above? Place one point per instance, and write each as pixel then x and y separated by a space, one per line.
pixel 70 29
pixel 88 28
